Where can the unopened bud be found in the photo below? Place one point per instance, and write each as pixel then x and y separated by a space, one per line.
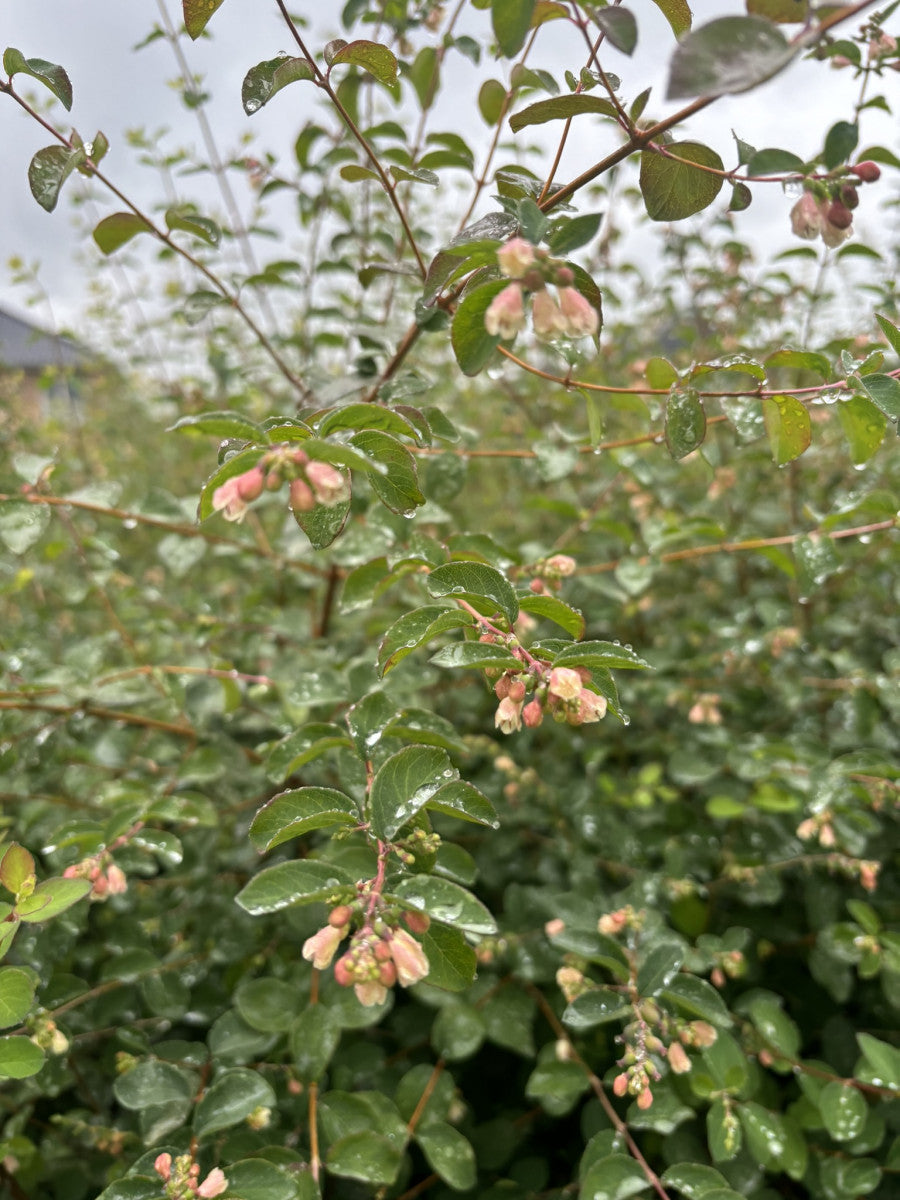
pixel 839 215
pixel 867 171
pixel 644 1100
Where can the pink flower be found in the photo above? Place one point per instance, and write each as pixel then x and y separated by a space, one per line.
pixel 580 315
pixel 213 1185
pixel 409 958
pixel 508 716
pixel 370 993
pixel 807 218
pixel 565 683
pixel 163 1166
pixel 327 483
pixel 320 948
pixel 547 317
pixel 506 313
pixel 591 708
pixel 228 500
pixel 532 714
pixel 515 257
pixel 116 880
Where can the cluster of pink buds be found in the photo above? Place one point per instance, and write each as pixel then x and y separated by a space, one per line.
pixel 310 482
pixel 561 691
pixel 531 271
pixel 820 826
pixel 826 207
pixel 106 878
pixel 655 1032
pixel 182 1178
pixel 730 964
pixel 550 572
pixel 381 953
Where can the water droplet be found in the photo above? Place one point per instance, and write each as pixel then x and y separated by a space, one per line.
pixel 409 515
pixel 449 773
pixel 129 523
pixel 597 450
pixel 251 106
pixel 626 720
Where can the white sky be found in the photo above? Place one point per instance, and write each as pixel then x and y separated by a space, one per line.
pixel 116 90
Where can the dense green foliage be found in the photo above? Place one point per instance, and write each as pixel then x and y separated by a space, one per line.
pixel 559 672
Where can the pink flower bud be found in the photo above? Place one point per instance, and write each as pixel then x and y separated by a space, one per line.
pixel 560 564
pixel 228 500
pixel 251 484
pixel 340 916
pixel 387 974
pixel 532 714
pixel 213 1185
pixel 409 958
pixel 370 993
pixel 807 218
pixel 565 683
pixel 867 171
pixel 620 1084
pixel 505 316
pixel 703 1033
pixel 501 687
pixel 417 922
pixel 327 483
pixel 163 1166
pixel 580 315
pixel 679 1061
pixel 564 277
pixel 300 496
pixel 320 948
pixel 515 257
pixel 839 214
pixel 508 717
pixel 344 973
pixel 645 1099
pixel 516 690
pixel 116 880
pixel 547 318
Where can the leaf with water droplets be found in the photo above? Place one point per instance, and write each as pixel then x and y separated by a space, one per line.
pixel 197 13
pixel 404 785
pixel 864 427
pixel 265 79
pixel 451 960
pixel 297 882
pixel 884 391
pixel 378 60
pixel 685 422
pixel 787 426
pixel 295 812
pixel 461 799
pixel 596 1007
pixel 480 585
pixel 414 628
pixel 49 170
pixel 446 902
pixel 843 1110
pixel 22 524
pixel 49 74
pixel 730 54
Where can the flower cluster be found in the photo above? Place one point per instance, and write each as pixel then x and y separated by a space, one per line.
pixel 310 482
pixel 561 691
pixel 826 207
pixel 531 270
pixel 182 1178
pixel 656 1036
pixel 106 878
pixel 381 953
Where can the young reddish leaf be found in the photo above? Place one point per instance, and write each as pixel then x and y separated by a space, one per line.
pixel 117 229
pixel 672 187
pixel 49 74
pixel 197 14
pixel 788 427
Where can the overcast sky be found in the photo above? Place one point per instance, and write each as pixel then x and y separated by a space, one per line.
pixel 116 89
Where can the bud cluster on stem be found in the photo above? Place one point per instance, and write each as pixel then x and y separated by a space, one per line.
pixel 532 270
pixel 181 1177
pixel 310 482
pixel 826 207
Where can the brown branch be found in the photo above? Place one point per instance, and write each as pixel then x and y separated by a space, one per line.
pixel 104 714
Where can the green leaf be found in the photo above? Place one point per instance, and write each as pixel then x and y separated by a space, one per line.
pixel 415 628
pixel 560 108
pixel 660 373
pixel 511 20
pixel 370 56
pixel 693 1180
pixel 731 54
pixel 480 585
pixel 461 799
pixel 599 654
pixel 890 331
pixel 551 608
pixel 843 1110
pixel 674 189
pixel 696 998
pixel 266 1004
pixel 884 391
pixel 200 303
pixel 449 1154
pixel 221 425
pixel 779 1031
pixel 596 1007
pixel 49 74
pixel 787 426
pixel 446 902
pixel 882 1062
pixel 315 1035
pixel 398 488
pixel 49 170
pixel 677 13
pixel 788 11
pixel 258 1179
pixel 366 416
pixel 183 217
pixel 472 345
pixel 51 898
pixel 723 1132
pixel 414 175
pixel 293 813
pixel 154 1082
pixel 19 1058
pixel 659 967
pixel 765 1133
pixel 475 654
pixel 267 78
pixel 117 229
pixel 197 13
pixel 848 1178
pixel 840 142
pixel 457 1032
pixel 16 865
pixel 301 747
pixel 297 882
pixel 620 28
pixel 801 360
pixel 365 1155
pixel 404 785
pixel 231 1099
pixel 451 960
pixel 685 422
pixel 324 523
pixel 491 101
pixel 613 1178
pixel 16 996
pixel 773 161
pixel 574 232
